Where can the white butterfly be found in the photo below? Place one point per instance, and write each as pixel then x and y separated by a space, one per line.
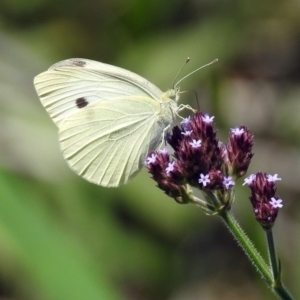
pixel 108 118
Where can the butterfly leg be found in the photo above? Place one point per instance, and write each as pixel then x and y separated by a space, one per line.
pixel 182 107
pixel 163 139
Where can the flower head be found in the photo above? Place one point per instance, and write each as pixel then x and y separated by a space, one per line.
pixel 201 161
pixel 163 172
pixel 264 201
pixel 198 152
pixel 238 152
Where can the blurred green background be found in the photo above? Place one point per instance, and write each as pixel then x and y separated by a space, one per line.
pixel 64 238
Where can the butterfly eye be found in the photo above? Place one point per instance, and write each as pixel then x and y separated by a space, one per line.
pixel 81 102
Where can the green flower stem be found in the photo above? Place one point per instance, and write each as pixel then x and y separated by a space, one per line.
pixel 277 284
pixel 247 246
pixel 272 254
pixel 254 255
pixel 282 292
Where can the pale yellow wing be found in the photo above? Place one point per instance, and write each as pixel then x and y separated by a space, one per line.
pixel 72 84
pixel 107 142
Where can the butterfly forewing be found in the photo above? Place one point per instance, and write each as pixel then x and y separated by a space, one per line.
pixel 71 84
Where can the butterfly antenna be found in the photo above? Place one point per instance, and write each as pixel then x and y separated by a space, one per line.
pixel 196 98
pixel 212 62
pixel 196 95
pixel 185 63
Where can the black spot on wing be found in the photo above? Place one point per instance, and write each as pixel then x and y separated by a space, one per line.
pixel 81 102
pixel 78 63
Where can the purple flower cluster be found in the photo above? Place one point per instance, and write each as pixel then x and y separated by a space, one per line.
pixel 238 151
pixel 161 168
pixel 200 160
pixel 264 201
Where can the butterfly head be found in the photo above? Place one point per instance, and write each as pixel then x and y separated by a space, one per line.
pixel 173 94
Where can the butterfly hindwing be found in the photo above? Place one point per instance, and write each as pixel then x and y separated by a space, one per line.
pixel 107 142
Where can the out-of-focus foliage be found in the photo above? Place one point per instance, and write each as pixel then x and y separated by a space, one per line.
pixel 64 238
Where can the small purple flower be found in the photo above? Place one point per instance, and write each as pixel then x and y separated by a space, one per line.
pixel 204 179
pixel 186 120
pixel 195 143
pixel 216 179
pixel 228 182
pixel 187 133
pixel 170 167
pixel 185 123
pixel 163 151
pixel 151 159
pixel 273 178
pixel 249 179
pixel 237 131
pixel 276 202
pixel 207 119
